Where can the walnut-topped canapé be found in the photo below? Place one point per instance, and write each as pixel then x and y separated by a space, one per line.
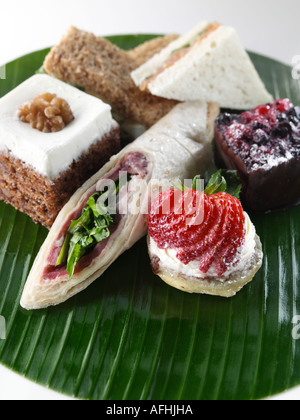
pixel 47 113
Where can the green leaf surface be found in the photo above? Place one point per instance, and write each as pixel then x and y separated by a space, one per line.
pixel 129 335
pixel 217 183
pixel 85 232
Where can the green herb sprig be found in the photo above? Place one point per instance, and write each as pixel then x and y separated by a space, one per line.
pixel 224 180
pixel 84 234
pixel 92 227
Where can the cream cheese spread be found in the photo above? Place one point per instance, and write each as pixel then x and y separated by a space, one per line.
pixel 170 261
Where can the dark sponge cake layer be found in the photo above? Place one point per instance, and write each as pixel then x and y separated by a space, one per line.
pixel 263 145
pixel 263 190
pixel 42 198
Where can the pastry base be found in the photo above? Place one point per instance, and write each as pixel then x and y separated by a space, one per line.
pixel 222 286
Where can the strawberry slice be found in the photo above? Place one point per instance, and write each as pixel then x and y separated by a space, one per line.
pixel 202 227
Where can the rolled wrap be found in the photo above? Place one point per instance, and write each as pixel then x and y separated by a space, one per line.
pixel 179 145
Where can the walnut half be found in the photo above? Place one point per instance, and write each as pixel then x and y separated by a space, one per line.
pixel 46 113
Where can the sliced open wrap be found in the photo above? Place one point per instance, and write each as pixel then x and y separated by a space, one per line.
pixel 179 145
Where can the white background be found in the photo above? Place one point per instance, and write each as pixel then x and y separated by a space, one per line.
pixel 269 27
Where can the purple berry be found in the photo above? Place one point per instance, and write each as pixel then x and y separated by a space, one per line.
pixel 269 133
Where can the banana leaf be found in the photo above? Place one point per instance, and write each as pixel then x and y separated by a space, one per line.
pixel 129 336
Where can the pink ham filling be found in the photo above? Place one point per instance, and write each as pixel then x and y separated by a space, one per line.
pixel 134 164
pixel 53 273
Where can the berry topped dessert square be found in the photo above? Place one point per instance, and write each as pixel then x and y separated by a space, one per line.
pixel 263 145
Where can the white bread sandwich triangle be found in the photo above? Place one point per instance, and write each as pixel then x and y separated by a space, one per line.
pixel 207 63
